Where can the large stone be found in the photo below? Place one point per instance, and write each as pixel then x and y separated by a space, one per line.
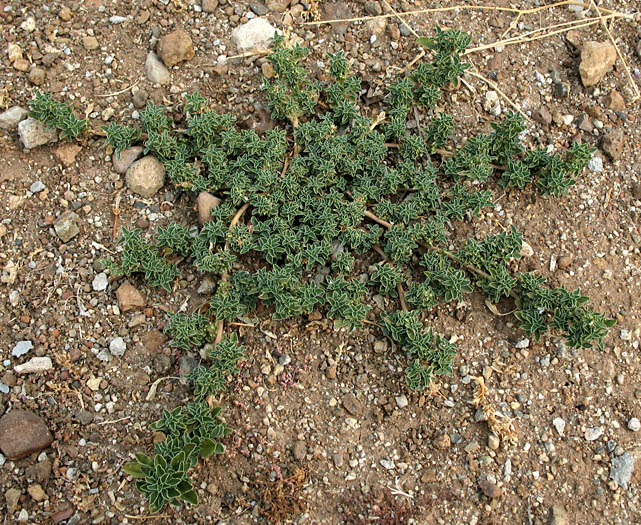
pixel 204 204
pixel 66 226
pixel 337 11
pixel 126 158
pixel 146 176
pixel 255 34
pixel 34 133
pixel 129 298
pixel 11 118
pixel 156 70
pixel 596 60
pixel 175 47
pixel 22 433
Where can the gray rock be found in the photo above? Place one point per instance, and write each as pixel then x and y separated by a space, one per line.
pixel 146 176
pixel 66 226
pixel 117 19
pixel 117 346
pixel 634 424
pixel 255 34
pixel 593 433
pixel 387 464
pixel 104 355
pixel 259 9
pixel 100 282
pixel 22 433
pixel 522 343
pixel 156 71
pixel 10 118
pixel 37 187
pixel 621 469
pixel 34 365
pixel 126 158
pixel 34 133
pixel 596 164
pixel 402 401
pixel 21 348
pixel 284 360
pixel 187 365
pixel 405 30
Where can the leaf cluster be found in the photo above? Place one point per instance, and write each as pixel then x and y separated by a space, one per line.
pixel 56 115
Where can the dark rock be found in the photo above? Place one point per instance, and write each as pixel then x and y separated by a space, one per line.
pixel 22 433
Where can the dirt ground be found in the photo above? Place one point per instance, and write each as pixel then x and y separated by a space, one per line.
pixel 324 428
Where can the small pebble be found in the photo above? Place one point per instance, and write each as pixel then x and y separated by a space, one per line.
pixel 559 424
pixel 100 282
pixel 593 433
pixel 36 187
pixel 634 424
pixel 401 401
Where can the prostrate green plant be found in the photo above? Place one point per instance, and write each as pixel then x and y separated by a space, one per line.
pixel 56 115
pixel 308 208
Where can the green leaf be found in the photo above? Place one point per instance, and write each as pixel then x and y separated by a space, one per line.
pixel 190 497
pixel 143 459
pixel 207 447
pixel 134 469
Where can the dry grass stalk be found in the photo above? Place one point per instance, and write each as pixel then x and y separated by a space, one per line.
pixel 464 8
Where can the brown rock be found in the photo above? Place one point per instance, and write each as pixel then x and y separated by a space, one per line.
pixel 36 492
pixel 277 6
pixel 268 70
pixel 542 115
pixel 62 515
pixel 209 6
pixel 491 490
pixel 615 101
pixel 90 43
pixel 636 190
pixel 154 340
pixel 37 76
pixel 66 154
pixel 565 261
pixel 331 372
pixel 65 14
pixel 126 158
pixel 204 204
pixel 575 39
pixel 613 143
pixel 596 60
pixel 12 497
pixel 175 47
pixel 22 433
pixel 442 442
pixel 352 405
pixel 129 298
pixel 21 64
